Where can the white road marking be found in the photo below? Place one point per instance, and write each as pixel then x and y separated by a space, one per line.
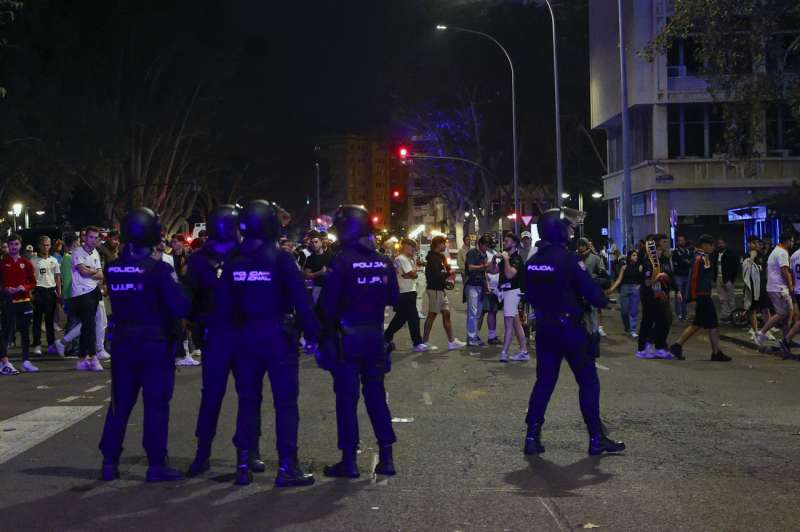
pixel 415 364
pixel 387 398
pixel 107 400
pixel 24 431
pixel 557 521
pixel 95 389
pixel 598 365
pixel 68 399
pixel 427 398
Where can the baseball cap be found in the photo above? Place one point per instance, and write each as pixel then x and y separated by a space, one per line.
pixel 526 234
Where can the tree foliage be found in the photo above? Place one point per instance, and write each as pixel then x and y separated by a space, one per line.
pixel 745 48
pixel 8 13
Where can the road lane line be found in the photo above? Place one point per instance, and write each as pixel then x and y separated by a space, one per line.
pixel 68 399
pixel 600 366
pixel 427 398
pixel 24 431
pixel 557 521
pixel 95 388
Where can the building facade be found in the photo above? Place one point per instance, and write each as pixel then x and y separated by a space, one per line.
pixel 679 180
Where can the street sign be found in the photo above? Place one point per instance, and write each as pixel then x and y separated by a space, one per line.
pixel 604 231
pixel 526 220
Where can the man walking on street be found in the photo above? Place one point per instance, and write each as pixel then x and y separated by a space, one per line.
pixel 726 269
pixel 406 310
pixel 437 274
pixel 47 291
pixel 682 259
pixel 511 282
pixel 476 264
pixel 18 283
pixel 780 285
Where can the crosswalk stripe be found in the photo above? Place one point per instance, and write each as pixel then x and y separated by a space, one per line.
pixel 68 399
pixel 24 431
pixel 94 389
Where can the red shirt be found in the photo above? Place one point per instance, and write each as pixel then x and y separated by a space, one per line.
pixel 18 273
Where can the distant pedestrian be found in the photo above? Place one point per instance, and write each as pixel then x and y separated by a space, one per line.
pixel 726 265
pixel 437 275
pixel 780 286
pixel 406 309
pixel 45 295
pixel 19 281
pixel 87 275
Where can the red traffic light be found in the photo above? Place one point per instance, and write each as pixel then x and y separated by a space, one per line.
pixel 396 194
pixel 375 219
pixel 403 152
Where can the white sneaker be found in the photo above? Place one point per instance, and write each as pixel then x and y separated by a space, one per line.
pixel 432 347
pixel 197 353
pixel 420 348
pixel 94 364
pixel 650 348
pixel 645 354
pixel 771 337
pixel 59 347
pixel 103 355
pixel 28 367
pixel 634 335
pixel 761 339
pixel 8 369
pixel 522 356
pixel 503 356
pixel 37 350
pixel 752 333
pixel 663 353
pixel 601 331
pixel 84 365
pixel 187 361
pixel 455 344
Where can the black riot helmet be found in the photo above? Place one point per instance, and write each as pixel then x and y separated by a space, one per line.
pixel 259 220
pixel 141 227
pixel 352 222
pixel 223 223
pixel 554 224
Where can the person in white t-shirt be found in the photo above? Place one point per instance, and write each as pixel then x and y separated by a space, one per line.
pixel 47 291
pixel 406 309
pixel 87 274
pixel 780 285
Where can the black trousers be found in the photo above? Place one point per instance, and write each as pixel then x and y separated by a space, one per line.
pixel 656 322
pixel 85 309
pixel 147 366
pixel 220 357
pixel 267 350
pixel 44 305
pixel 17 318
pixel 405 313
pixel 554 344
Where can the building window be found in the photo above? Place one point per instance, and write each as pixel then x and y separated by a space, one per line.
pixel 783 133
pixel 694 130
pixel 682 58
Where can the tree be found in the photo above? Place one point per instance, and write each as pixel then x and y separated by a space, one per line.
pixel 743 47
pixel 8 12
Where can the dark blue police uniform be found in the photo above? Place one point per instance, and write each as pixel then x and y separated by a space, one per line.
pixel 362 283
pixel 147 301
pixel 558 286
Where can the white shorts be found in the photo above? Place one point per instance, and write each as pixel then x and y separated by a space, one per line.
pixel 511 303
pixel 782 301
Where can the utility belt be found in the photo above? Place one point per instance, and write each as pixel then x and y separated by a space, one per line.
pixel 561 318
pixel 142 332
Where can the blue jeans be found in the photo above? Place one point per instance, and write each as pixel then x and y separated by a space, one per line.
pixel 474 308
pixel 629 305
pixel 682 284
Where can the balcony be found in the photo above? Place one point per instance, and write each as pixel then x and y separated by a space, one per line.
pixel 675 174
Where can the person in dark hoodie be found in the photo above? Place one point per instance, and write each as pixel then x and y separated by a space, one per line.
pixel 437 275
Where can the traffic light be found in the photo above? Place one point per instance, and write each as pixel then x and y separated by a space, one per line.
pixel 403 152
pixel 396 194
pixel 375 219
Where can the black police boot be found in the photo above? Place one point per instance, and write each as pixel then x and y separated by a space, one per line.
pixel 385 462
pixel 243 474
pixel 600 443
pixel 533 440
pixel 290 474
pixel 347 468
pixel 201 462
pixel 110 470
pixel 161 472
pixel 257 465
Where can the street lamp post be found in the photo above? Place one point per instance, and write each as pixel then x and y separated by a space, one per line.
pixel 441 27
pixel 559 165
pixel 17 210
pixel 627 212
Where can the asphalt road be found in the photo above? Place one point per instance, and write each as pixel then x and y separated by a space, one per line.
pixel 710 447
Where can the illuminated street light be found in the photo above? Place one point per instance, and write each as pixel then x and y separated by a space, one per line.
pixel 17 208
pixel 597 195
pixel 565 195
pixel 441 27
pixel 39 213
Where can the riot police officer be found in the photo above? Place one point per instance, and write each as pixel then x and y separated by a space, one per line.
pixel 267 287
pixel 147 302
pixel 557 287
pixel 362 283
pixel 212 307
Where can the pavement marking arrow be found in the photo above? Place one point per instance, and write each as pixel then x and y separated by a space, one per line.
pixel 36 426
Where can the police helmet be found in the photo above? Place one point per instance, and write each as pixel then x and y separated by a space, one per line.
pixel 352 222
pixel 141 227
pixel 554 224
pixel 260 220
pixel 223 222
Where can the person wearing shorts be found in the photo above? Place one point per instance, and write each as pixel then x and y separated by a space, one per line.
pixel 780 285
pixel 437 274
pixel 510 265
pixel 705 314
